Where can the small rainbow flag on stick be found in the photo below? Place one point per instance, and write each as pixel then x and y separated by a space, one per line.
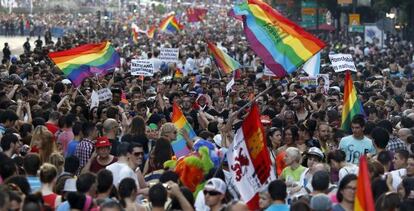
pixel 282 44
pixel 351 104
pixel 151 32
pixel 223 60
pixel 180 145
pixel 134 32
pixel 170 24
pixel 364 200
pixel 86 61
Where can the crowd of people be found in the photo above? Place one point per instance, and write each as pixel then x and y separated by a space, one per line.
pixel 60 153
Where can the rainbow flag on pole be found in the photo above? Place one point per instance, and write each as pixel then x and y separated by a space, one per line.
pixel 180 145
pixel 351 104
pixel 134 32
pixel 364 201
pixel 151 32
pixel 86 61
pixel 170 24
pixel 223 60
pixel 282 44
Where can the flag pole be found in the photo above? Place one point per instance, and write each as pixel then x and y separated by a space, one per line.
pixel 235 113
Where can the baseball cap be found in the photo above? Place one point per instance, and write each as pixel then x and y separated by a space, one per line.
pixel 320 202
pixel 216 184
pixel 102 142
pixel 316 151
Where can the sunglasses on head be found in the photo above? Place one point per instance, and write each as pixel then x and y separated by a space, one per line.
pixel 211 193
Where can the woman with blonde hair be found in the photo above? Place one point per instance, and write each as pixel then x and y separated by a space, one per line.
pixel 48 175
pixel 57 160
pixel 168 131
pixel 43 140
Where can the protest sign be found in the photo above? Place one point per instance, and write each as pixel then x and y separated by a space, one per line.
pixel 104 94
pixel 94 99
pixel 169 55
pixel 308 82
pixel 322 83
pixel 142 67
pixel 342 62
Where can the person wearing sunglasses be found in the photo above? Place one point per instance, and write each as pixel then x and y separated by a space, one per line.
pixel 214 193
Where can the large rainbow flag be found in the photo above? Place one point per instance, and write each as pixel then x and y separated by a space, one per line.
pixel 282 44
pixel 86 61
pixel 351 104
pixel 223 60
pixel 180 145
pixel 170 24
pixel 364 201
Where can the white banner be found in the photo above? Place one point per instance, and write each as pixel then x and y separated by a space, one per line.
pixel 372 34
pixel 94 99
pixel 104 94
pixel 142 67
pixel 342 62
pixel 241 166
pixel 169 55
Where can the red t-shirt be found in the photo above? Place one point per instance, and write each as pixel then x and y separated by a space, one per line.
pixel 52 128
pixel 95 166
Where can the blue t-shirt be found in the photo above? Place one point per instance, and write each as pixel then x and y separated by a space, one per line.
pixel 278 207
pixel 71 148
pixel 354 148
pixel 34 183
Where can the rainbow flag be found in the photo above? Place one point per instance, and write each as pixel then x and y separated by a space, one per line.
pixel 282 44
pixel 223 60
pixel 180 145
pixel 86 61
pixel 364 201
pixel 178 73
pixel 351 104
pixel 170 24
pixel 134 33
pixel 124 100
pixel 151 32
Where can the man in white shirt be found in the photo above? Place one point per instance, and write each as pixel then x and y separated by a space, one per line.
pixel 357 144
pixel 121 168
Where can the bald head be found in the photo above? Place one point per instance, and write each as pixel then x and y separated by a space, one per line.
pixel 109 125
pixel 403 133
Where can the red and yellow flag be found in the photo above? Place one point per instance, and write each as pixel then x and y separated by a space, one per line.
pixel 364 201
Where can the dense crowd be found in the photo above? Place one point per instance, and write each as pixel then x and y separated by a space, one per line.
pixel 61 153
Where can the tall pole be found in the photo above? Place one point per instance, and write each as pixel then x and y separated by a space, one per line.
pixel 317 16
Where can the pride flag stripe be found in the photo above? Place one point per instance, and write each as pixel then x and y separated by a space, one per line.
pixel 170 24
pixel 223 60
pixel 86 60
pixel 351 104
pixel 180 122
pixel 282 44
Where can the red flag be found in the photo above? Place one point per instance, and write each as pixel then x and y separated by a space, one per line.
pixel 364 200
pixel 249 159
pixel 196 14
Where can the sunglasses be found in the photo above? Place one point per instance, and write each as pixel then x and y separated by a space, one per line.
pixel 211 193
pixel 137 154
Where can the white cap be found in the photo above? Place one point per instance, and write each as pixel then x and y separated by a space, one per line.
pixel 316 151
pixel 66 81
pixel 216 184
